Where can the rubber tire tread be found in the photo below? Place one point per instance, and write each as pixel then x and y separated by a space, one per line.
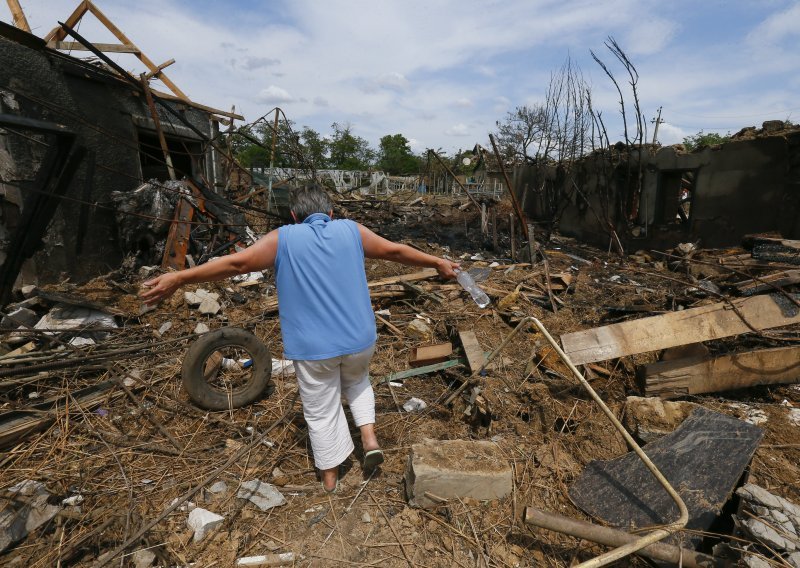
pixel 205 396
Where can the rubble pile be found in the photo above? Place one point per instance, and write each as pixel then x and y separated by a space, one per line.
pixel 106 458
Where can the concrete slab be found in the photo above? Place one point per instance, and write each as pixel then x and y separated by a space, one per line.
pixel 449 469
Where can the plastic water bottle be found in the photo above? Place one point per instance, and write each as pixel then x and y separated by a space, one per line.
pixel 466 281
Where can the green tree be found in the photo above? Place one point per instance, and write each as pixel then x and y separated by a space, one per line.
pixel 315 147
pixel 253 156
pixel 252 145
pixel 348 151
pixel 395 156
pixel 704 139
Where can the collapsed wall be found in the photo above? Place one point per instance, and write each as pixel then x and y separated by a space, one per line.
pixel 714 195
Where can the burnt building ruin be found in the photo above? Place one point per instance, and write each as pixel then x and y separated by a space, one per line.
pixel 640 198
pixel 72 131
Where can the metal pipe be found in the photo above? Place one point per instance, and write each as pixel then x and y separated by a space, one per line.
pixel 648 539
pixel 613 537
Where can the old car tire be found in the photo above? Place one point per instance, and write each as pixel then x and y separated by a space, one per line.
pixel 211 397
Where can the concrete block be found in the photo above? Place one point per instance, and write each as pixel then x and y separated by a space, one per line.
pixel 201 521
pixel 19 317
pixel 451 469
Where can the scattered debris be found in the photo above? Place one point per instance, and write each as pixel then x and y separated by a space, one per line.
pixel 267 560
pixel 772 521
pixel 414 405
pixel 63 401
pixel 263 495
pixel 201 521
pixel 19 518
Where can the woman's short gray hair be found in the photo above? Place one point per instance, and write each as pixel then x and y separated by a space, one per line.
pixel 307 200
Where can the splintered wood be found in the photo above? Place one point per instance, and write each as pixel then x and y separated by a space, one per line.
pixel 694 325
pixel 706 374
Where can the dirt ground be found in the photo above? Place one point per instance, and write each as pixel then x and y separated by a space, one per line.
pixel 137 449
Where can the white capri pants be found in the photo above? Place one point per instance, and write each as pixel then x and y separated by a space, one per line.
pixel 322 384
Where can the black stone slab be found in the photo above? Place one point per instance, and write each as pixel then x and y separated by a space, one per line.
pixel 703 459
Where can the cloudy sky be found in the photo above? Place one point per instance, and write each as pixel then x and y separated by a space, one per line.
pixel 441 72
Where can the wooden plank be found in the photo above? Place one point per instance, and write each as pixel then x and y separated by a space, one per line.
pixel 429 354
pixel 105 47
pixel 695 325
pixel 421 275
pixel 769 282
pixel 472 350
pixel 18 16
pixel 57 297
pixel 17 424
pixel 30 346
pixel 58 33
pixel 178 237
pixel 157 121
pixel 697 375
pixel 160 68
pixel 142 57
pixel 208 109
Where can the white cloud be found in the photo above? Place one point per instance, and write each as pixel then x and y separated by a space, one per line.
pixel 459 129
pixel 777 26
pixel 388 81
pixel 326 54
pixel 670 134
pixel 275 95
pixel 649 36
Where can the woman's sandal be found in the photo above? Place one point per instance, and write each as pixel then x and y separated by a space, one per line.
pixel 372 459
